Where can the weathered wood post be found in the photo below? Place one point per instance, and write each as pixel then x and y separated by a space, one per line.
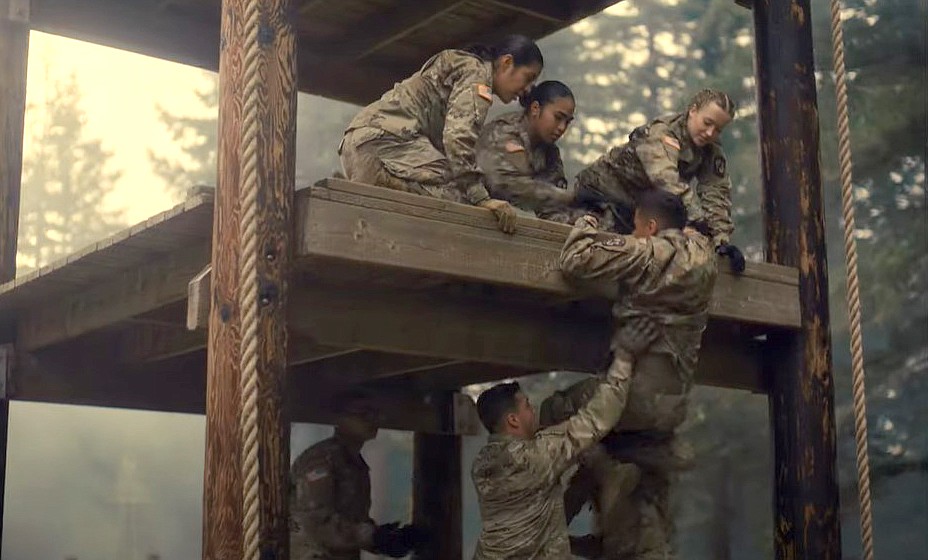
pixel 14 52
pixel 798 364
pixel 258 117
pixel 436 488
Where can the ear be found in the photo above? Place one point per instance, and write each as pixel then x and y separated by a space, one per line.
pixel 512 419
pixel 535 108
pixel 653 227
pixel 505 62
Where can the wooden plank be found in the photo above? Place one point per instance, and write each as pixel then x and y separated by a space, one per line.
pixel 436 503
pixel 129 293
pixel 502 340
pixel 390 229
pixel 807 520
pixel 92 375
pixel 554 11
pixel 198 300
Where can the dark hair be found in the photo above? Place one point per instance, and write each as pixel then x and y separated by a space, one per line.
pixel 545 93
pixel 667 208
pixel 524 51
pixel 719 97
pixel 496 402
pixel 346 400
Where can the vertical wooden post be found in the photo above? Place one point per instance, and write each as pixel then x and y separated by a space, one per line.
pixel 798 364
pixel 436 491
pixel 14 52
pixel 275 144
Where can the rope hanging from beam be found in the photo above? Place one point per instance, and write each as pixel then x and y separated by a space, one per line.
pixel 853 289
pixel 248 296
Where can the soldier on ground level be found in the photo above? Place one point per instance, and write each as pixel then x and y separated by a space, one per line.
pixel 518 473
pixel 518 153
pixel 666 273
pixel 330 494
pixel 669 153
pixel 421 136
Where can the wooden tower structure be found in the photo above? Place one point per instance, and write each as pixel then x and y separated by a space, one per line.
pixel 414 297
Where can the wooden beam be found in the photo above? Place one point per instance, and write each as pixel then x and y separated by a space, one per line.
pixel 127 294
pixel 90 372
pixel 262 120
pixel 554 11
pixel 14 53
pixel 807 516
pixel 490 339
pixel 391 230
pixel 437 503
pixel 378 30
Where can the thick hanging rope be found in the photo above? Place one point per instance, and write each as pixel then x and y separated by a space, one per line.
pixel 853 290
pixel 248 288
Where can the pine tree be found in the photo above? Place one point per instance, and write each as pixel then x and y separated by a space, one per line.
pixel 65 183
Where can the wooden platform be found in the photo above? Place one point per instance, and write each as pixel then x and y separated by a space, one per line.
pixel 404 293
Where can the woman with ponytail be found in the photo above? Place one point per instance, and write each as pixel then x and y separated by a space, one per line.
pixel 518 153
pixel 421 136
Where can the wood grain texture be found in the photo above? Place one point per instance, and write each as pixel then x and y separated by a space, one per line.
pixel 436 503
pixel 14 52
pixel 222 478
pixel 799 365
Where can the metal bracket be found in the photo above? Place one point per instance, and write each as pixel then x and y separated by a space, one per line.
pixel 6 370
pixel 18 11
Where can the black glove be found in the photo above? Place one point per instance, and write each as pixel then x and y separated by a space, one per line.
pixel 735 257
pixel 389 541
pixel 414 537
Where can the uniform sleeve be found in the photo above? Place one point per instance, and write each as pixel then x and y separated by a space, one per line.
pixel 468 105
pixel 557 447
pixel 314 486
pixel 714 190
pixel 504 161
pixel 617 261
pixel 554 169
pixel 659 154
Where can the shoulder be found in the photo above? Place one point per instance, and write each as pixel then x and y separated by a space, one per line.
pixel 505 125
pixel 324 454
pixel 465 63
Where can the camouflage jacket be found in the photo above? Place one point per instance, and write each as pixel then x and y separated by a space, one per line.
pixel 668 277
pixel 447 101
pixel 530 177
pixel 330 497
pixel 519 482
pixel 661 154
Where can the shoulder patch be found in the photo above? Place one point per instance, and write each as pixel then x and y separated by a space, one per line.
pixel 671 141
pixel 719 165
pixel 514 147
pixel 484 91
pixel 317 474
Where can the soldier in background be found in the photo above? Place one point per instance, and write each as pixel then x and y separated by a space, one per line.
pixel 518 473
pixel 330 494
pixel 668 153
pixel 665 273
pixel 518 153
pixel 421 136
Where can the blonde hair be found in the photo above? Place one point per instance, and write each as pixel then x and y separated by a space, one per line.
pixel 719 97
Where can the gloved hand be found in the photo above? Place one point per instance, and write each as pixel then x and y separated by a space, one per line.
pixel 586 546
pixel 388 541
pixel 635 336
pixel 504 212
pixel 735 257
pixel 414 537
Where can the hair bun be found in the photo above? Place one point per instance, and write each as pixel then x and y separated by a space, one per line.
pixel 527 99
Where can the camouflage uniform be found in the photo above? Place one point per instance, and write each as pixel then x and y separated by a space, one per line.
pixel 531 178
pixel 668 277
pixel 421 135
pixel 519 481
pixel 661 155
pixel 330 501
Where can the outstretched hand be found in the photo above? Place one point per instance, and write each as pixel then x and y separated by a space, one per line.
pixel 636 336
pixel 504 212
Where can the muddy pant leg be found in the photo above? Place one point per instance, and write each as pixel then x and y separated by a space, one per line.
pixel 371 157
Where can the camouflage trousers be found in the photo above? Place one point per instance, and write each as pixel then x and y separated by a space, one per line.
pixel 628 476
pixel 375 157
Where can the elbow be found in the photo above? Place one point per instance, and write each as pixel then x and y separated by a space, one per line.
pixel 571 265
